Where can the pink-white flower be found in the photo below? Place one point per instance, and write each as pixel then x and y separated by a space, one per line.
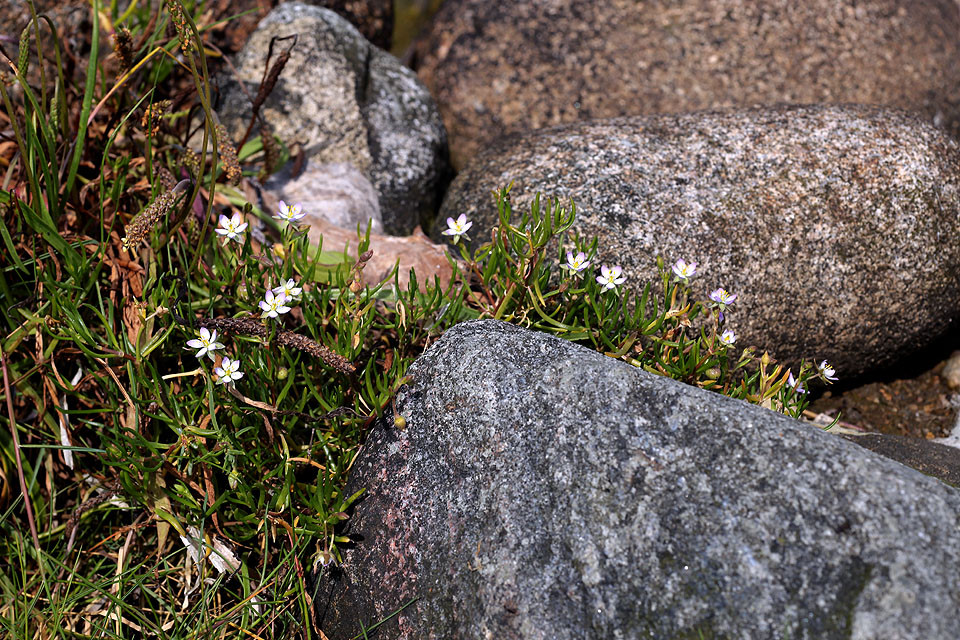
pixel 207 343
pixel 723 297
pixel 289 214
pixel 228 371
pixel 826 371
pixel 728 337
pixel 577 262
pixel 289 289
pixel 610 277
pixel 796 384
pixel 273 305
pixel 232 227
pixel 458 227
pixel 684 270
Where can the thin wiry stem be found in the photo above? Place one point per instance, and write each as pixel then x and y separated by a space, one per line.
pixel 16 449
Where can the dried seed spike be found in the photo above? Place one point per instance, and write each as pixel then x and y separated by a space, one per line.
pixel 150 122
pixel 140 226
pixel 228 155
pixel 252 327
pixel 270 81
pixel 271 151
pixel 166 179
pixel 191 161
pixel 123 47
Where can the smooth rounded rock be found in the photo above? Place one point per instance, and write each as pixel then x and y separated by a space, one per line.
pixel 837 227
pixel 504 67
pixel 345 102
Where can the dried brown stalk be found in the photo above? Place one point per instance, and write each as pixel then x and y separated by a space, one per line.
pixel 252 327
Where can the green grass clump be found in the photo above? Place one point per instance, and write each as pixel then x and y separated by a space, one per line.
pixel 143 494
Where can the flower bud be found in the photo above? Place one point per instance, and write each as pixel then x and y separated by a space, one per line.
pixel 280 251
pixel 712 373
pixel 282 373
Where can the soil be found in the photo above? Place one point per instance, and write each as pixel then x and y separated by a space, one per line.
pixel 919 405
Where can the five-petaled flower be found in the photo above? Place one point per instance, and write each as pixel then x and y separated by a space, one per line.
pixel 610 277
pixel 728 337
pixel 457 227
pixel 577 262
pixel 232 227
pixel 289 289
pixel 228 371
pixel 684 270
pixel 826 371
pixel 796 384
pixel 289 214
pixel 273 305
pixel 722 296
pixel 207 343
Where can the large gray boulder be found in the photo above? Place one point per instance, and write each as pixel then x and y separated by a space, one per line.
pixel 542 490
pixel 504 67
pixel 347 103
pixel 837 227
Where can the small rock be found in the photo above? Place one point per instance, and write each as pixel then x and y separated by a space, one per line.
pixel 347 103
pixel 835 226
pixel 415 251
pixel 337 193
pixel 951 371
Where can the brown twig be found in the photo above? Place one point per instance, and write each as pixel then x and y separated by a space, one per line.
pixel 16 449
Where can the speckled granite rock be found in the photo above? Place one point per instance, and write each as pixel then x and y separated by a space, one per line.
pixel 502 67
pixel 373 18
pixel 347 102
pixel 541 490
pixel 836 226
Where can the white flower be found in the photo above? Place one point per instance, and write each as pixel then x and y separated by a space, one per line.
pixel 272 305
pixel 228 371
pixel 288 289
pixel 723 296
pixel 577 262
pixel 232 227
pixel 457 227
pixel 289 214
pixel 610 277
pixel 684 270
pixel 207 343
pixel 826 371
pixel 796 384
pixel 728 337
